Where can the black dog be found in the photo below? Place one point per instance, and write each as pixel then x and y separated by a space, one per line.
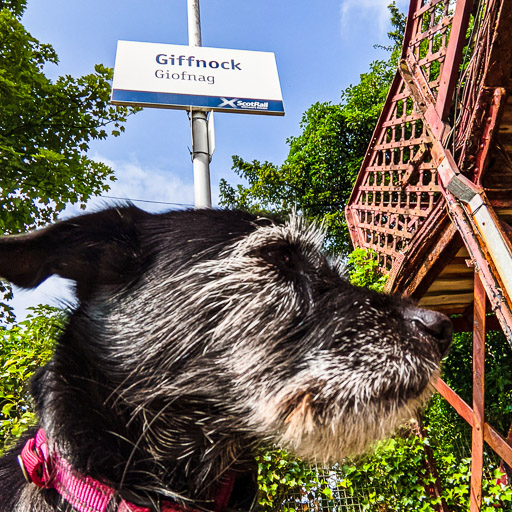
pixel 200 336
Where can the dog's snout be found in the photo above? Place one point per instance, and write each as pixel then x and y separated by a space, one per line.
pixel 436 324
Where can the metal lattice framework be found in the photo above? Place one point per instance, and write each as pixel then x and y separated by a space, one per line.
pixel 434 194
pixel 398 188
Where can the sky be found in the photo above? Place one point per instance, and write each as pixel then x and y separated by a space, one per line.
pixel 321 47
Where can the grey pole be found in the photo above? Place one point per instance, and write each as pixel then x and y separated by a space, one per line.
pixel 199 124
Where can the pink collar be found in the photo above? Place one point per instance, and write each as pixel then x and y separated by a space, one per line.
pixel 82 492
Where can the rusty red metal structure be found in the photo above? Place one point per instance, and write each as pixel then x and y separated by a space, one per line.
pixel 434 194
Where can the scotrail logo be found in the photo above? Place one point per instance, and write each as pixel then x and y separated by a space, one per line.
pixel 243 104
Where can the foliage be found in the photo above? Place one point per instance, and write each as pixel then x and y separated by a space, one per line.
pixel 392 478
pixel 6 310
pixel 46 128
pixel 364 269
pixel 455 483
pixel 23 349
pixel 395 475
pixel 17 7
pixel 449 433
pixel 450 428
pixel 316 178
pixel 280 475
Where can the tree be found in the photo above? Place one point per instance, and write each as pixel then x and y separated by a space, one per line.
pixel 317 177
pixel 46 128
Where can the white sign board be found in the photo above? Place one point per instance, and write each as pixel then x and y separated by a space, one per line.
pixel 175 76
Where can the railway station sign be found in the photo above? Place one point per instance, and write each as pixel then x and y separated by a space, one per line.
pixel 198 77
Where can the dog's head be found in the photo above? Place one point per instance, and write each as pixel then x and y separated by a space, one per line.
pixel 200 333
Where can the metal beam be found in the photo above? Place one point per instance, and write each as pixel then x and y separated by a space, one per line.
pixel 449 74
pixel 495 440
pixel 199 123
pixel 468 206
pixel 477 438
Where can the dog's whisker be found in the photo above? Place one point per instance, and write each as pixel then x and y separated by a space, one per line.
pixel 137 443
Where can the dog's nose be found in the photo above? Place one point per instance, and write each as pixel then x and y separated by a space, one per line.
pixel 433 323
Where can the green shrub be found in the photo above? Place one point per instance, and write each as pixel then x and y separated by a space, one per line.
pixel 364 270
pixel 23 349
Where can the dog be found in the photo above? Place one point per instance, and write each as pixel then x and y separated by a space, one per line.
pixel 199 337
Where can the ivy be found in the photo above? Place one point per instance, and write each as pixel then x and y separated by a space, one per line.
pixel 393 477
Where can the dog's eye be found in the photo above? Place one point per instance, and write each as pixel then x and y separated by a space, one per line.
pixel 280 256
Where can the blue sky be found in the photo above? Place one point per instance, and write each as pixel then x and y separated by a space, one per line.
pixel 321 47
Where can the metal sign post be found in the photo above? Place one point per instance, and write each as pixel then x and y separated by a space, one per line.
pixel 200 80
pixel 199 123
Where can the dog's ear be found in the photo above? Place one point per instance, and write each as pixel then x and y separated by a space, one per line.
pixel 94 249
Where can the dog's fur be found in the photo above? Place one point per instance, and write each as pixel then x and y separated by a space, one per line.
pixel 201 335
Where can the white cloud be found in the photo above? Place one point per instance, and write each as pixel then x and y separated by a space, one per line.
pixel 157 189
pixel 366 14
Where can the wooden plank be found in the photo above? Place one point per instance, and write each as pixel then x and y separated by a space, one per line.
pixel 444 300
pixel 457 266
pixel 463 253
pixel 465 273
pixel 498 444
pixel 448 285
pixel 457 309
pixel 462 408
